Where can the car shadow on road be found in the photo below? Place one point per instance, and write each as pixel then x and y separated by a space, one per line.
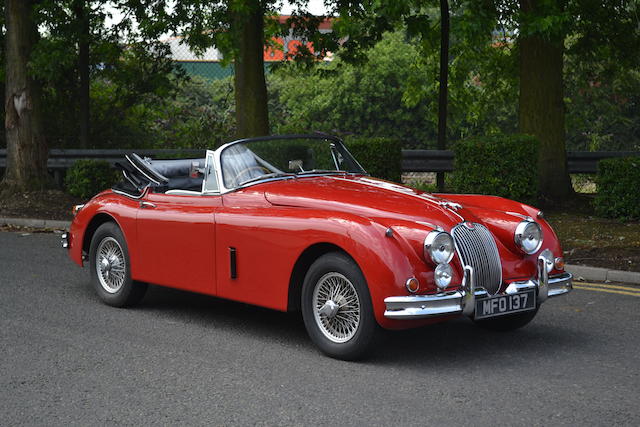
pixel 460 341
pixel 454 342
pixel 206 310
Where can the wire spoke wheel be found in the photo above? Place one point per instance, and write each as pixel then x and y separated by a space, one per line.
pixel 110 265
pixel 336 307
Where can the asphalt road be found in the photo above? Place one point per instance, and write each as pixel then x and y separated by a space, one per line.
pixel 180 358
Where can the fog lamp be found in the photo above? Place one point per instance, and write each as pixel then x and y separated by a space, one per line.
pixel 443 275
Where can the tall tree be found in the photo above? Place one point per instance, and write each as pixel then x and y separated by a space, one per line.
pixel 444 83
pixel 252 115
pixel 239 29
pixel 541 102
pixel 82 11
pixel 544 32
pixel 26 145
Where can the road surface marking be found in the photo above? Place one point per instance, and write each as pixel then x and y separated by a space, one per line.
pixel 610 291
pixel 602 285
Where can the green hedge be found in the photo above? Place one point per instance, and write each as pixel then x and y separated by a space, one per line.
pixel 501 165
pixel 618 182
pixel 381 157
pixel 88 177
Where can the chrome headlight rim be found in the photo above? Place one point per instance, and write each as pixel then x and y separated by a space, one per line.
pixel 429 247
pixel 521 234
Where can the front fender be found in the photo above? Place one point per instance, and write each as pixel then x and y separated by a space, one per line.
pixel 106 206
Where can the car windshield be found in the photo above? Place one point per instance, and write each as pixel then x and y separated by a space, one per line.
pixel 280 157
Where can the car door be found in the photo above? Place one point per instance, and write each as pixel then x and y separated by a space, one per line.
pixel 176 237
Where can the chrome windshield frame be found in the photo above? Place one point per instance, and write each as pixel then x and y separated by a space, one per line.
pixel 320 136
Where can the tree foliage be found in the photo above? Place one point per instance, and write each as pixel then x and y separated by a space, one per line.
pixel 364 99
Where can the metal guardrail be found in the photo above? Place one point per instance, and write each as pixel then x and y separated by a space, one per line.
pixel 442 160
pixel 61 160
pixel 64 159
pixel 412 160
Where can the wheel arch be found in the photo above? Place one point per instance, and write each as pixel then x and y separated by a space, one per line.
pixel 97 220
pixel 301 266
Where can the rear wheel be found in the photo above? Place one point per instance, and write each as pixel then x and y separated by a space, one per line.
pixel 508 322
pixel 336 308
pixel 110 268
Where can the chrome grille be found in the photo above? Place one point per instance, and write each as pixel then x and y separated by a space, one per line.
pixel 478 250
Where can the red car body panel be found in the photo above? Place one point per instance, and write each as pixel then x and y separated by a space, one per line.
pixel 185 241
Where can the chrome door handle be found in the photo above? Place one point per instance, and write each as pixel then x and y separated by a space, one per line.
pixel 147 205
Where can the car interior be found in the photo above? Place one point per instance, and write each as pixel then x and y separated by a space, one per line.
pixel 178 177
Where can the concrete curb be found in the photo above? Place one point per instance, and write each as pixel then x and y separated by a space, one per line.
pixel 579 271
pixel 35 223
pixel 602 274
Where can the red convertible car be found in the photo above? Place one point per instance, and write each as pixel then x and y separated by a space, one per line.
pixel 295 223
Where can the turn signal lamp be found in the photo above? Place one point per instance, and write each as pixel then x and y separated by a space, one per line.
pixel 412 285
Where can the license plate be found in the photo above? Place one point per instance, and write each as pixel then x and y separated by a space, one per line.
pixel 505 304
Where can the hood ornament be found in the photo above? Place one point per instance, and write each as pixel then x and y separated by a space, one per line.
pixel 451 205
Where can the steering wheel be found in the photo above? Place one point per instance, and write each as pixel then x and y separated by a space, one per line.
pixel 239 178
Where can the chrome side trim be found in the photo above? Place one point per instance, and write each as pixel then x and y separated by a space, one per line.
pixel 131 196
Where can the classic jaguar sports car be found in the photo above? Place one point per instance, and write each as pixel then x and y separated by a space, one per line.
pixel 295 223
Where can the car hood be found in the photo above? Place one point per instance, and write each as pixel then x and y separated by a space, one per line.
pixel 384 201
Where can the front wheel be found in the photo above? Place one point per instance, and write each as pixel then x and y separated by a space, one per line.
pixel 110 268
pixel 336 308
pixel 507 322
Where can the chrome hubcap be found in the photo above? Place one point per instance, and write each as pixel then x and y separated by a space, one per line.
pixel 110 265
pixel 336 307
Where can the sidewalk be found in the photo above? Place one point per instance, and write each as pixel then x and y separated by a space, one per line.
pixel 579 272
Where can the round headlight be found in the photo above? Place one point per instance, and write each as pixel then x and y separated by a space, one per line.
pixel 439 246
pixel 528 236
pixel 442 275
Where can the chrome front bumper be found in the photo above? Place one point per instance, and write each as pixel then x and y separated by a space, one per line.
pixel 463 301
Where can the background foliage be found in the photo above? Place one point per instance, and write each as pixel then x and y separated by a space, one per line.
pixel 380 157
pixel 618 181
pixel 87 178
pixel 501 165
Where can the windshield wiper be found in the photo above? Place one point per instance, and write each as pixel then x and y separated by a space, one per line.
pixel 267 176
pixel 319 171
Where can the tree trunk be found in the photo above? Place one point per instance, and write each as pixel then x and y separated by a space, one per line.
pixel 82 17
pixel 26 146
pixel 252 114
pixel 541 108
pixel 444 83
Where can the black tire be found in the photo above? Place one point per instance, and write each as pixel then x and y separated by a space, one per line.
pixel 362 334
pixel 508 322
pixel 126 292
